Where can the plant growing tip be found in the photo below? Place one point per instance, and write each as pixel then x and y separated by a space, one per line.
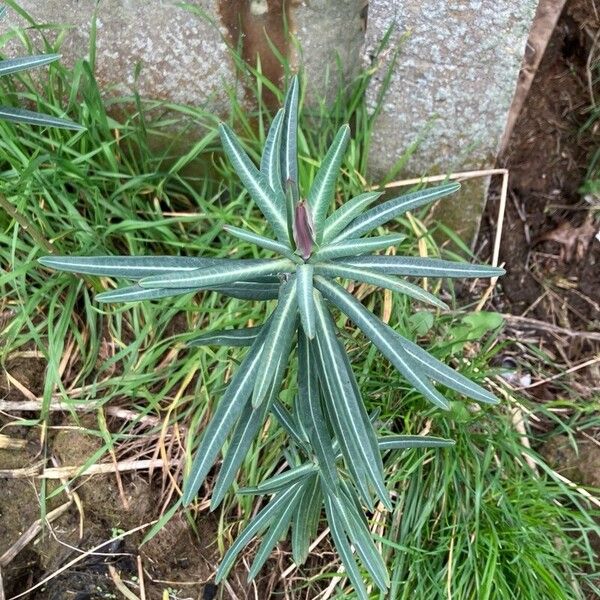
pixel 304 233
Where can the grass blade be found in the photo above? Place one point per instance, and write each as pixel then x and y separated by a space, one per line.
pixel 346 214
pixel 393 208
pixel 211 276
pixel 339 269
pixel 306 303
pixel 323 187
pixel 278 341
pixel 270 203
pixel 382 336
pixel 421 267
pixel 354 247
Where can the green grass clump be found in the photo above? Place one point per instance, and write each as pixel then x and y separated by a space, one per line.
pixel 474 521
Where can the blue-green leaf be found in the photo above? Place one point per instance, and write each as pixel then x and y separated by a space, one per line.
pixel 323 187
pixel 288 422
pixel 278 341
pixel 227 337
pixel 262 241
pixel 354 247
pixel 346 213
pixel 311 415
pixel 135 293
pixel 382 336
pixel 20 115
pixel 417 266
pixel 281 480
pixel 270 203
pixel 23 63
pixel 228 410
pixel 270 162
pixel 339 269
pixel 278 506
pixel 402 442
pixel 344 401
pixel 306 519
pixel 289 139
pixel 225 273
pixel 306 303
pixel 393 208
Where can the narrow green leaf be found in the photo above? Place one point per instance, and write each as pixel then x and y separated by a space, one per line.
pixel 354 247
pixel 270 163
pixel 248 290
pixel 262 241
pixel 228 410
pixel 344 550
pixel 382 336
pixel 212 276
pixel 306 519
pixel 274 510
pixel 278 341
pixel 247 428
pixel 401 442
pixel 346 214
pixel 129 267
pixel 393 208
pixel 339 269
pixel 276 531
pixel 288 422
pixel 227 337
pixel 23 63
pixel 20 115
pixel 306 303
pixel 270 203
pixel 289 139
pixel 443 374
pixel 135 293
pixel 282 480
pixel 323 187
pixel 360 536
pixel 417 266
pixel 346 403
pixel 311 415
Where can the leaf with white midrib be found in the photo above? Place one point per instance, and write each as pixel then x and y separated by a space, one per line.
pixel 306 303
pixel 265 517
pixel 261 241
pixel 23 63
pixel 223 274
pixel 417 266
pixel 228 410
pixel 270 162
pixel 270 203
pixel 278 341
pixel 346 213
pixel 391 209
pixel 281 480
pixel 306 519
pixel 338 269
pixel 401 442
pixel 289 137
pixel 355 247
pixel 382 336
pixel 21 115
pixel 227 337
pixel 322 189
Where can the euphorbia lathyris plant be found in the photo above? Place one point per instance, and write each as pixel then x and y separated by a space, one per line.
pixel 335 453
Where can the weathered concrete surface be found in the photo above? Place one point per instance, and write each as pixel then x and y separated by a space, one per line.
pixel 183 57
pixel 331 36
pixel 457 71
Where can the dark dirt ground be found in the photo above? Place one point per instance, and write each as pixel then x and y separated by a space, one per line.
pixel 552 276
